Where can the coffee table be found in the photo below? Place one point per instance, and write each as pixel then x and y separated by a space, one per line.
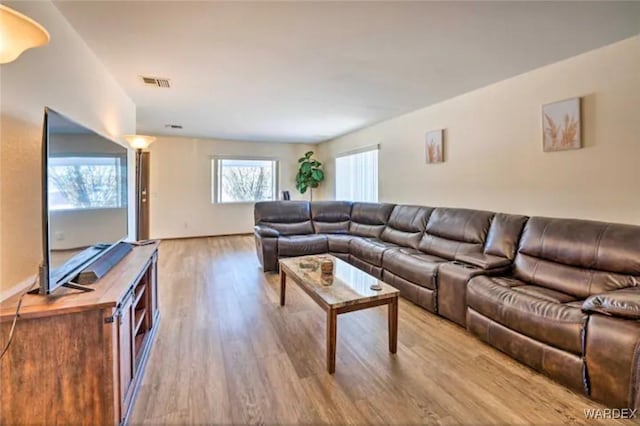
pixel 347 290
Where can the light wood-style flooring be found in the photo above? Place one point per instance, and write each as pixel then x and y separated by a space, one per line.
pixel 226 352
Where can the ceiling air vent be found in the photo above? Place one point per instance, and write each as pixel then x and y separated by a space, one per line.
pixel 156 82
pixel 173 126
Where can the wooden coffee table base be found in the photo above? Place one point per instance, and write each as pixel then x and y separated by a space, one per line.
pixel 332 318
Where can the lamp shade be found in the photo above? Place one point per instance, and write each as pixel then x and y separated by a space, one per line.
pixel 139 141
pixel 18 33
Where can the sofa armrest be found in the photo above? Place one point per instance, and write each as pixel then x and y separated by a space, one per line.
pixel 266 232
pixel 483 261
pixel 623 303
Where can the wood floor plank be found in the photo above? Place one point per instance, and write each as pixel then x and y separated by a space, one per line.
pixel 228 353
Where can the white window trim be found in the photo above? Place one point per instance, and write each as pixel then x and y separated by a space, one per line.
pixel 360 150
pixel 214 178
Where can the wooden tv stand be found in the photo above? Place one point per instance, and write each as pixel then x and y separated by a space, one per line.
pixel 78 358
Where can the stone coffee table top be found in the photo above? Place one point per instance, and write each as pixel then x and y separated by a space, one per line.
pixel 346 286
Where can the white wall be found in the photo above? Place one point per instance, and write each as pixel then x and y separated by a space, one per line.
pixel 73 229
pixel 180 185
pixel 66 76
pixel 493 144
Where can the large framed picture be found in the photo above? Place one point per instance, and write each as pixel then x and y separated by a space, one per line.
pixel 434 146
pixel 561 125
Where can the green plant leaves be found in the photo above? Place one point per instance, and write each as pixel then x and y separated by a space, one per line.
pixel 310 174
pixel 317 175
pixel 305 167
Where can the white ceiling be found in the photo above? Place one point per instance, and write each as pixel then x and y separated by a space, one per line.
pixel 311 71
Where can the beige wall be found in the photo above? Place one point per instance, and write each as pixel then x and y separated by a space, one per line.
pixel 74 229
pixel 180 185
pixel 493 144
pixel 66 76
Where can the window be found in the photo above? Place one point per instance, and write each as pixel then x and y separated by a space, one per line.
pixel 357 176
pixel 240 180
pixel 87 182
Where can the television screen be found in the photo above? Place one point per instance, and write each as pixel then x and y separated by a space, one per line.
pixel 84 198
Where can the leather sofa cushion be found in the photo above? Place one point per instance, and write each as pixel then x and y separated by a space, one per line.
pixel 299 245
pixel 620 303
pixel 294 228
pixel 470 226
pixel 448 249
pixel 369 219
pixel 331 227
pixel 339 243
pixel 544 293
pixel 331 217
pixel 507 282
pixel 406 225
pixel 413 265
pixel 369 249
pixel 452 231
pixel 286 217
pixel 281 211
pixel 579 257
pixel 531 314
pixel 504 234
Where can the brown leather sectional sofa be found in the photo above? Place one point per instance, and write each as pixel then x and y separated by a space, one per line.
pixel 560 295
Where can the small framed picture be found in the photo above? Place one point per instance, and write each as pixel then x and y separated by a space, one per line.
pixel 434 146
pixel 561 124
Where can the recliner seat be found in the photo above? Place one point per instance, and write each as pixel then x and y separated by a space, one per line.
pixel 447 233
pixel 559 264
pixel 333 218
pixel 499 250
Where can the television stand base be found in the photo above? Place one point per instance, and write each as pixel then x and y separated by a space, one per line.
pixel 67 285
pixel 77 287
pixel 100 267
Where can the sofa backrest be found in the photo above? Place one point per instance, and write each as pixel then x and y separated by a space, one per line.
pixel 406 225
pixel 331 217
pixel 452 231
pixel 287 217
pixel 369 219
pixel 578 257
pixel 504 234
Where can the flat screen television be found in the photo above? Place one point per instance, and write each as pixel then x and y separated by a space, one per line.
pixel 84 199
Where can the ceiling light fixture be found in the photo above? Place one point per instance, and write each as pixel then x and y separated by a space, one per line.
pixel 139 142
pixel 18 33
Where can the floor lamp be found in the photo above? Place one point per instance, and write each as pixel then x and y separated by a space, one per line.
pixel 139 143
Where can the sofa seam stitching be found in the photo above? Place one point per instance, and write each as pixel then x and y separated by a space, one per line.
pixel 542 237
pixel 595 257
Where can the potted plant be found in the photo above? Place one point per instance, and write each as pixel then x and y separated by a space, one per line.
pixel 309 175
